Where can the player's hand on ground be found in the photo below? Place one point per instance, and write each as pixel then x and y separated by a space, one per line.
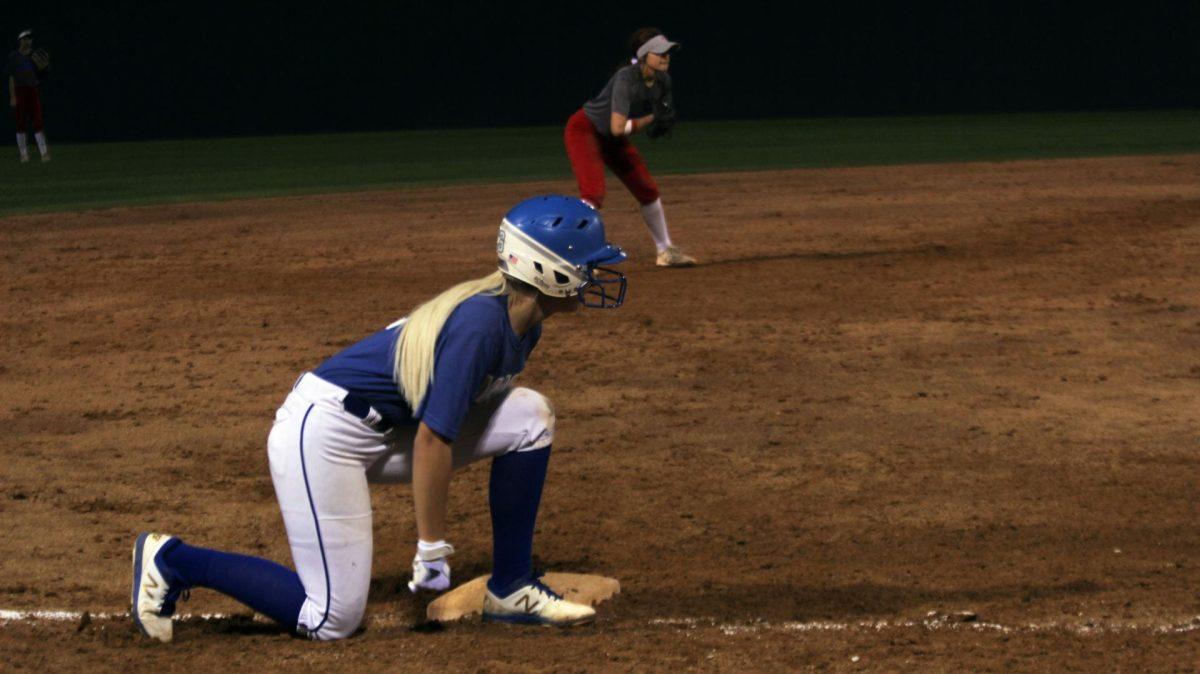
pixel 430 576
pixel 431 570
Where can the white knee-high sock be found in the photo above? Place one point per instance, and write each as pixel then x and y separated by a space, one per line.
pixel 656 222
pixel 41 141
pixel 23 144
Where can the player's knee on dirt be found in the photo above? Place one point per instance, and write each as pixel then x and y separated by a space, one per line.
pixel 342 621
pixel 536 414
pixel 334 609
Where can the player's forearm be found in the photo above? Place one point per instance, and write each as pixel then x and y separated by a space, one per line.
pixel 624 126
pixel 617 124
pixel 432 465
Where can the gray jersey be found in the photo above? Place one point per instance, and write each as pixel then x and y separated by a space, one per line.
pixel 22 70
pixel 626 93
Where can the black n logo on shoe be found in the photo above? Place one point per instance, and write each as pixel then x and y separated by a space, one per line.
pixel 528 603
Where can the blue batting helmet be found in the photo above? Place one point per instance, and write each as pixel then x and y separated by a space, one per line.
pixel 557 245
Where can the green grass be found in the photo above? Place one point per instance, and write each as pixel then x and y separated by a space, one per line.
pixel 106 174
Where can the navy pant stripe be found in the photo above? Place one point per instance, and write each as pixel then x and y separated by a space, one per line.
pixel 316 521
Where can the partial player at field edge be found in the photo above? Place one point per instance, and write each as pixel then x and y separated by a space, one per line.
pixel 25 70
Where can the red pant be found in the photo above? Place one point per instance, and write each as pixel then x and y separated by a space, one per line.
pixel 590 152
pixel 29 106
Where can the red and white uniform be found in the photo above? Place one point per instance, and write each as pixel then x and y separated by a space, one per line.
pixel 591 145
pixel 29 101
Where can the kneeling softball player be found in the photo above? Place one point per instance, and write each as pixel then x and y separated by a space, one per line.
pixel 427 395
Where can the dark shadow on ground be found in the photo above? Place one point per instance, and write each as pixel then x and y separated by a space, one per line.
pixel 931 249
pixel 235 624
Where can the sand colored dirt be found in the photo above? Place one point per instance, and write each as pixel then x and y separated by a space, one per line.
pixel 887 392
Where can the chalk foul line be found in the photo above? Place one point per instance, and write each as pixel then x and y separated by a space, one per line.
pixel 933 621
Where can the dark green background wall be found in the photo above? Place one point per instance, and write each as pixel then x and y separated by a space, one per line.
pixel 133 70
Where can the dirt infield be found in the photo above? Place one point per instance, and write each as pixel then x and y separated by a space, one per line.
pixel 890 395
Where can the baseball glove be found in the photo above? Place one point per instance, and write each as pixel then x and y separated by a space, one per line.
pixel 664 113
pixel 40 58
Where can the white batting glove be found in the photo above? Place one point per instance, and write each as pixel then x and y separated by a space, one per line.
pixel 431 570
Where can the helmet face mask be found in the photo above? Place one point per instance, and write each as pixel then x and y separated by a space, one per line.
pixel 605 290
pixel 557 245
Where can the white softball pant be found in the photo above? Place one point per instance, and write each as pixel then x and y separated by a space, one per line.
pixel 322 458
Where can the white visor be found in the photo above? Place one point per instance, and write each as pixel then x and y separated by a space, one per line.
pixel 658 44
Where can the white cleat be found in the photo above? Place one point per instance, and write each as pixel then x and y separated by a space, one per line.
pixel 152 601
pixel 24 159
pixel 535 604
pixel 45 157
pixel 671 256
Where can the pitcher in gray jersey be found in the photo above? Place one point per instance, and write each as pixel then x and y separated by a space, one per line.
pixel 636 98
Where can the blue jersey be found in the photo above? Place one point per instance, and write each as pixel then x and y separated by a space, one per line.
pixel 477 355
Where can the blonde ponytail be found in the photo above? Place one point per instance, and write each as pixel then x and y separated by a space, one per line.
pixel 417 345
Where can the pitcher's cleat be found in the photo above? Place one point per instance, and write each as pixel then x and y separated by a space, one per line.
pixel 153 600
pixel 671 256
pixel 535 604
pixel 24 159
pixel 45 157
